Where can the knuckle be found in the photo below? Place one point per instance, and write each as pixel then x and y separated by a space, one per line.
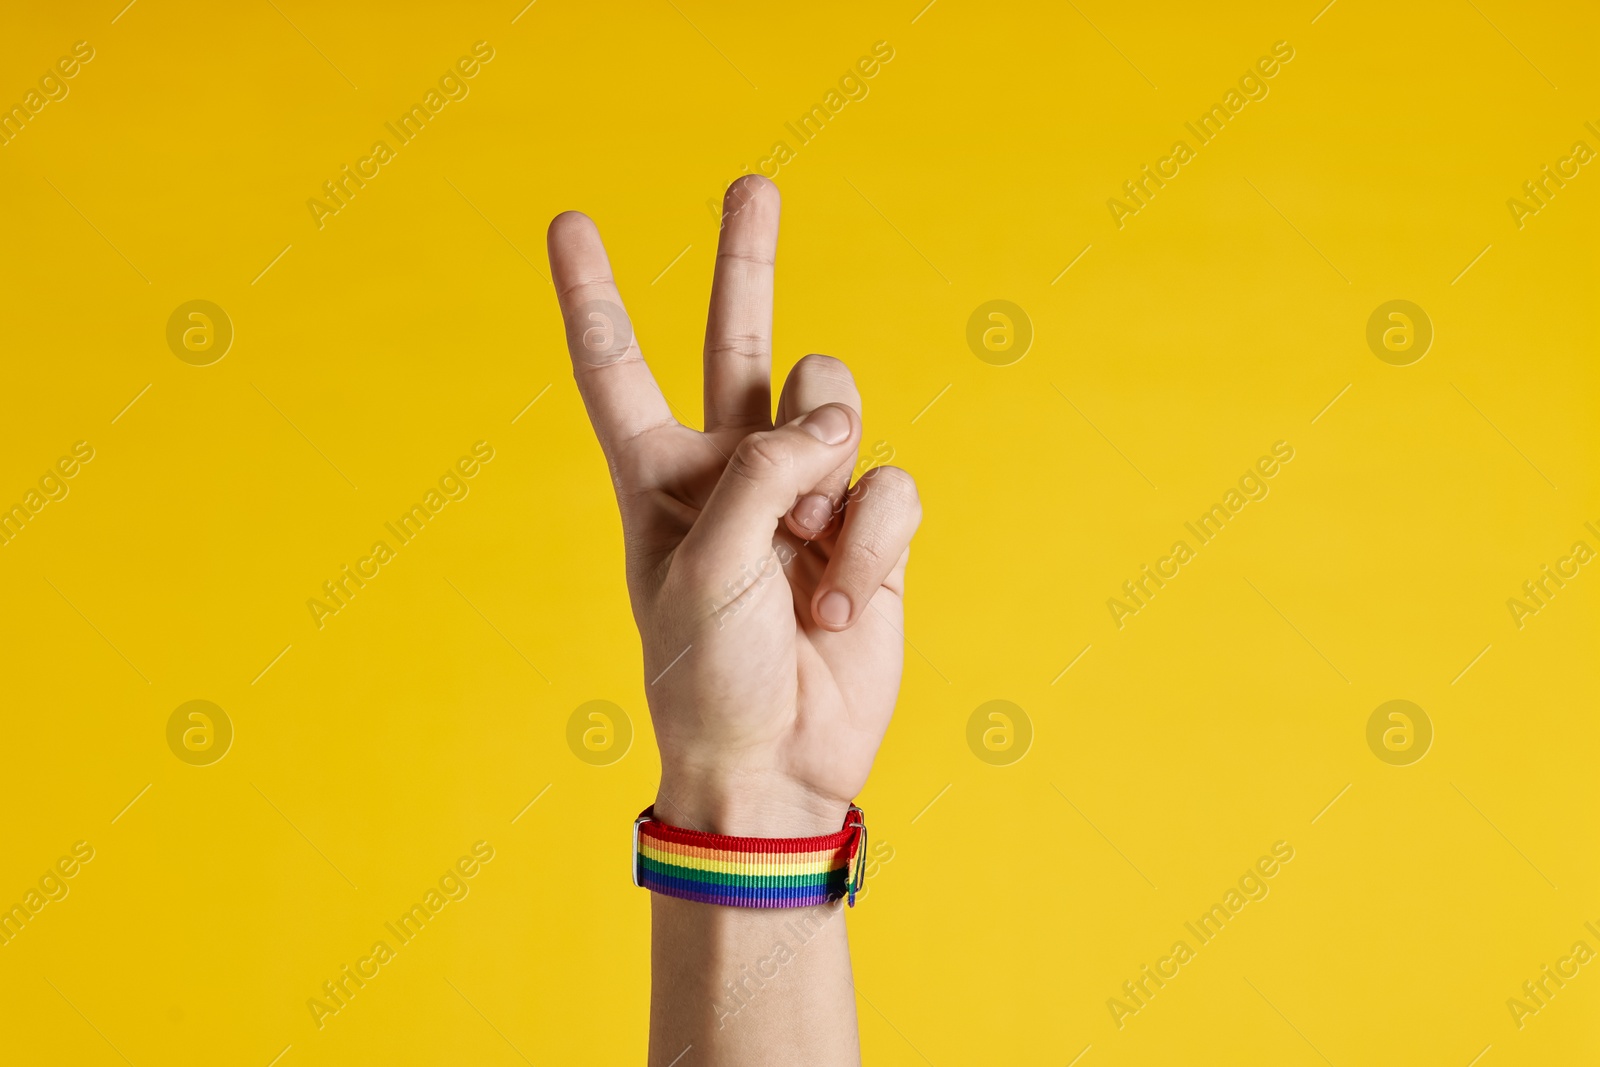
pixel 871 553
pixel 817 379
pixel 750 259
pixel 629 455
pixel 760 455
pixel 818 369
pixel 896 485
pixel 744 345
pixel 817 363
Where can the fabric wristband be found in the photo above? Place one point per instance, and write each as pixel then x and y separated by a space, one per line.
pixel 750 872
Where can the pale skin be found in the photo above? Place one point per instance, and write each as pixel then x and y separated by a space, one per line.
pixel 767 590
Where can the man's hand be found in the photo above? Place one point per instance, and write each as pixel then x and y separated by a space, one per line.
pixel 766 588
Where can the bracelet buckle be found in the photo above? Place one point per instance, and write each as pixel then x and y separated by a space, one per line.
pixel 856 819
pixel 644 817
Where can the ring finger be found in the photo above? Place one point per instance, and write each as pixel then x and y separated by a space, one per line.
pixel 817 380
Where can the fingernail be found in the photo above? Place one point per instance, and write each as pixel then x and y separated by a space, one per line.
pixel 813 512
pixel 834 609
pixel 830 425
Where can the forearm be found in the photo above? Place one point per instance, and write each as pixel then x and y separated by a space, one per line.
pixel 750 985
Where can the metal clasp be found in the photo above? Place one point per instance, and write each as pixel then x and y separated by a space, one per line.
pixel 643 818
pixel 856 819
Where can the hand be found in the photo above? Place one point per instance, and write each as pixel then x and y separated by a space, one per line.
pixel 767 590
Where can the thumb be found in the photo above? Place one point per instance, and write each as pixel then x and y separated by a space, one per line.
pixel 767 473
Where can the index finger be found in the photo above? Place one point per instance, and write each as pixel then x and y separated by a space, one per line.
pixel 618 389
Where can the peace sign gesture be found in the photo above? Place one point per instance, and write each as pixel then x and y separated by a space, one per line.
pixel 767 589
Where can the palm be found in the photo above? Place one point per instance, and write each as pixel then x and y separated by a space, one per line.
pixel 743 541
pixel 823 699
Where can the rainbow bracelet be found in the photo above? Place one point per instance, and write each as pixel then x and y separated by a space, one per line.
pixel 750 872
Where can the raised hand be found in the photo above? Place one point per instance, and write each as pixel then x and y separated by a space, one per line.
pixel 767 589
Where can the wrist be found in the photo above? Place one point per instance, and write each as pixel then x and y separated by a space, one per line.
pixel 746 805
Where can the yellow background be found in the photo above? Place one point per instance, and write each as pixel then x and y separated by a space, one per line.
pixel 427 714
